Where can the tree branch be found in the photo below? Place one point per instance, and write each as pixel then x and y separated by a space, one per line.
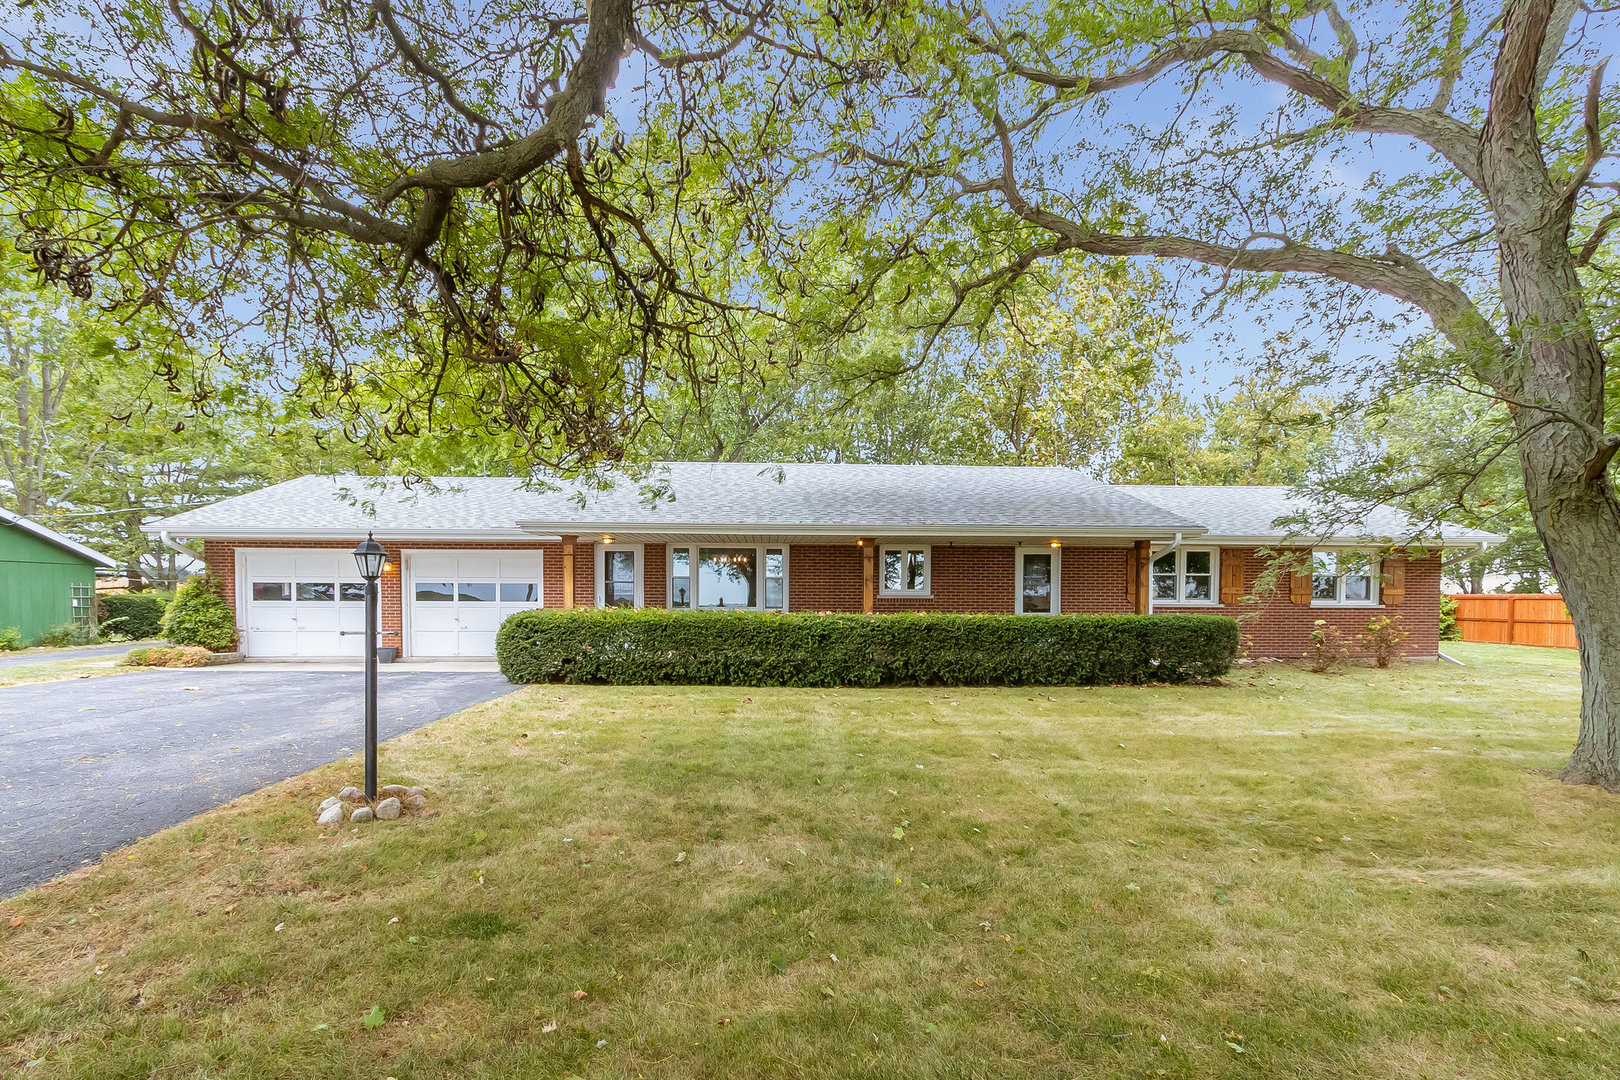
pixel 568 113
pixel 413 57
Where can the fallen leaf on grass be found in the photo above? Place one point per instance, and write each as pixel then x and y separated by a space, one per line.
pixel 376 1018
pixel 547 1029
pixel 16 921
pixel 580 995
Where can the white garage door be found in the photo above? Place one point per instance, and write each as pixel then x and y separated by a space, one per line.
pixel 303 603
pixel 458 601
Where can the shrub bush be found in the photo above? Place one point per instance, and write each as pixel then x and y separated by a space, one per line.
pixel 752 649
pixel 1449 630
pixel 198 615
pixel 135 614
pixel 1383 638
pixel 167 656
pixel 1328 650
pixel 11 639
pixel 63 635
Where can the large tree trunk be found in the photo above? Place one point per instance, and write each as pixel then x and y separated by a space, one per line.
pixel 1580 528
pixel 1552 374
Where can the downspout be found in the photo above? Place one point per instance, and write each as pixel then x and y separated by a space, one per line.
pixel 1153 557
pixel 163 535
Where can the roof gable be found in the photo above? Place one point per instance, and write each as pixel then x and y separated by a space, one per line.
pixel 54 538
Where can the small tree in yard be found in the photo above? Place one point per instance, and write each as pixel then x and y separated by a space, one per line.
pixel 199 616
pixel 1383 638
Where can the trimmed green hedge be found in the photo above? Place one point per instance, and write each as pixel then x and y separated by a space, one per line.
pixel 135 614
pixel 652 646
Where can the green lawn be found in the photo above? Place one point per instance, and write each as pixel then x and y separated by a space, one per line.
pixel 1371 874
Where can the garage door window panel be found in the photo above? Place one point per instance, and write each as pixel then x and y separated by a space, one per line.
pixel 318 591
pixel 271 591
pixel 476 592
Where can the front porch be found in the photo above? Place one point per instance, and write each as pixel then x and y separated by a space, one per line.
pixel 870 574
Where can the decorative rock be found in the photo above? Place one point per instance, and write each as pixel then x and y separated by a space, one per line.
pixel 422 791
pixel 415 802
pixel 396 790
pixel 327 803
pixel 332 815
pixel 361 814
pixel 352 794
pixel 388 809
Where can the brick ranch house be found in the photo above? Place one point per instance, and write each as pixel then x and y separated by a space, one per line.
pixel 466 552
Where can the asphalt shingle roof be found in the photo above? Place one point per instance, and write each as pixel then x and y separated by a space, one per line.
pixel 734 495
pixel 1252 511
pixel 782 499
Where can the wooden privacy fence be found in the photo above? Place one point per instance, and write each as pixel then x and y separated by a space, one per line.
pixel 1515 619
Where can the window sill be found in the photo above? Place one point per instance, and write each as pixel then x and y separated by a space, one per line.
pixel 905 596
pixel 1345 604
pixel 1186 603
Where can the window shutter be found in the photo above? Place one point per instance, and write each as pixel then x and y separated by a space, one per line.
pixel 1130 577
pixel 1299 587
pixel 1231 577
pixel 1393 591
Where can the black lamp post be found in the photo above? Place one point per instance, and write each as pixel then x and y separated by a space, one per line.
pixel 370 556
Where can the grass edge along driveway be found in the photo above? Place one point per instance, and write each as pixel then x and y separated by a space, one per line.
pixel 1368 874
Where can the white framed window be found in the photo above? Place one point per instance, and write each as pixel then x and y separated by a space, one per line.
pixel 1187 576
pixel 1040 580
pixel 728 577
pixel 1345 578
pixel 904 570
pixel 619 575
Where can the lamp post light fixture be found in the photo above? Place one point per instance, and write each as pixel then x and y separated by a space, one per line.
pixel 370 557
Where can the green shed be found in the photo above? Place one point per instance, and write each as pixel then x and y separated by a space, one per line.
pixel 46 579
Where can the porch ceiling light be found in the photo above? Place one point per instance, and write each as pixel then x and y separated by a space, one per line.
pixel 607 538
pixel 1057 543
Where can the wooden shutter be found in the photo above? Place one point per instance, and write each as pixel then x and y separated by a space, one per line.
pixel 1393 591
pixel 1231 577
pixel 1130 577
pixel 1299 586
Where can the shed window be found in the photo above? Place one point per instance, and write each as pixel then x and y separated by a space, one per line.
pixel 82 599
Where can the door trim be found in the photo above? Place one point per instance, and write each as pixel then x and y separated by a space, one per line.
pixel 1018 578
pixel 641 568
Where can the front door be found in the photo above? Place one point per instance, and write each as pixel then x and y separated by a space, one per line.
pixel 618 575
pixel 1038 570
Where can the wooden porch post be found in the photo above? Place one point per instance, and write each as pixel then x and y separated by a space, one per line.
pixel 568 571
pixel 868 555
pixel 1144 576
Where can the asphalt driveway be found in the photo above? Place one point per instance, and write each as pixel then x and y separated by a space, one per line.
pixel 89 765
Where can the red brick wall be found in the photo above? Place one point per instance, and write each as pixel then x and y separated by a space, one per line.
pixel 221 558
pixel 1276 626
pixel 1094 581
pixel 827 577
pixel 654 588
